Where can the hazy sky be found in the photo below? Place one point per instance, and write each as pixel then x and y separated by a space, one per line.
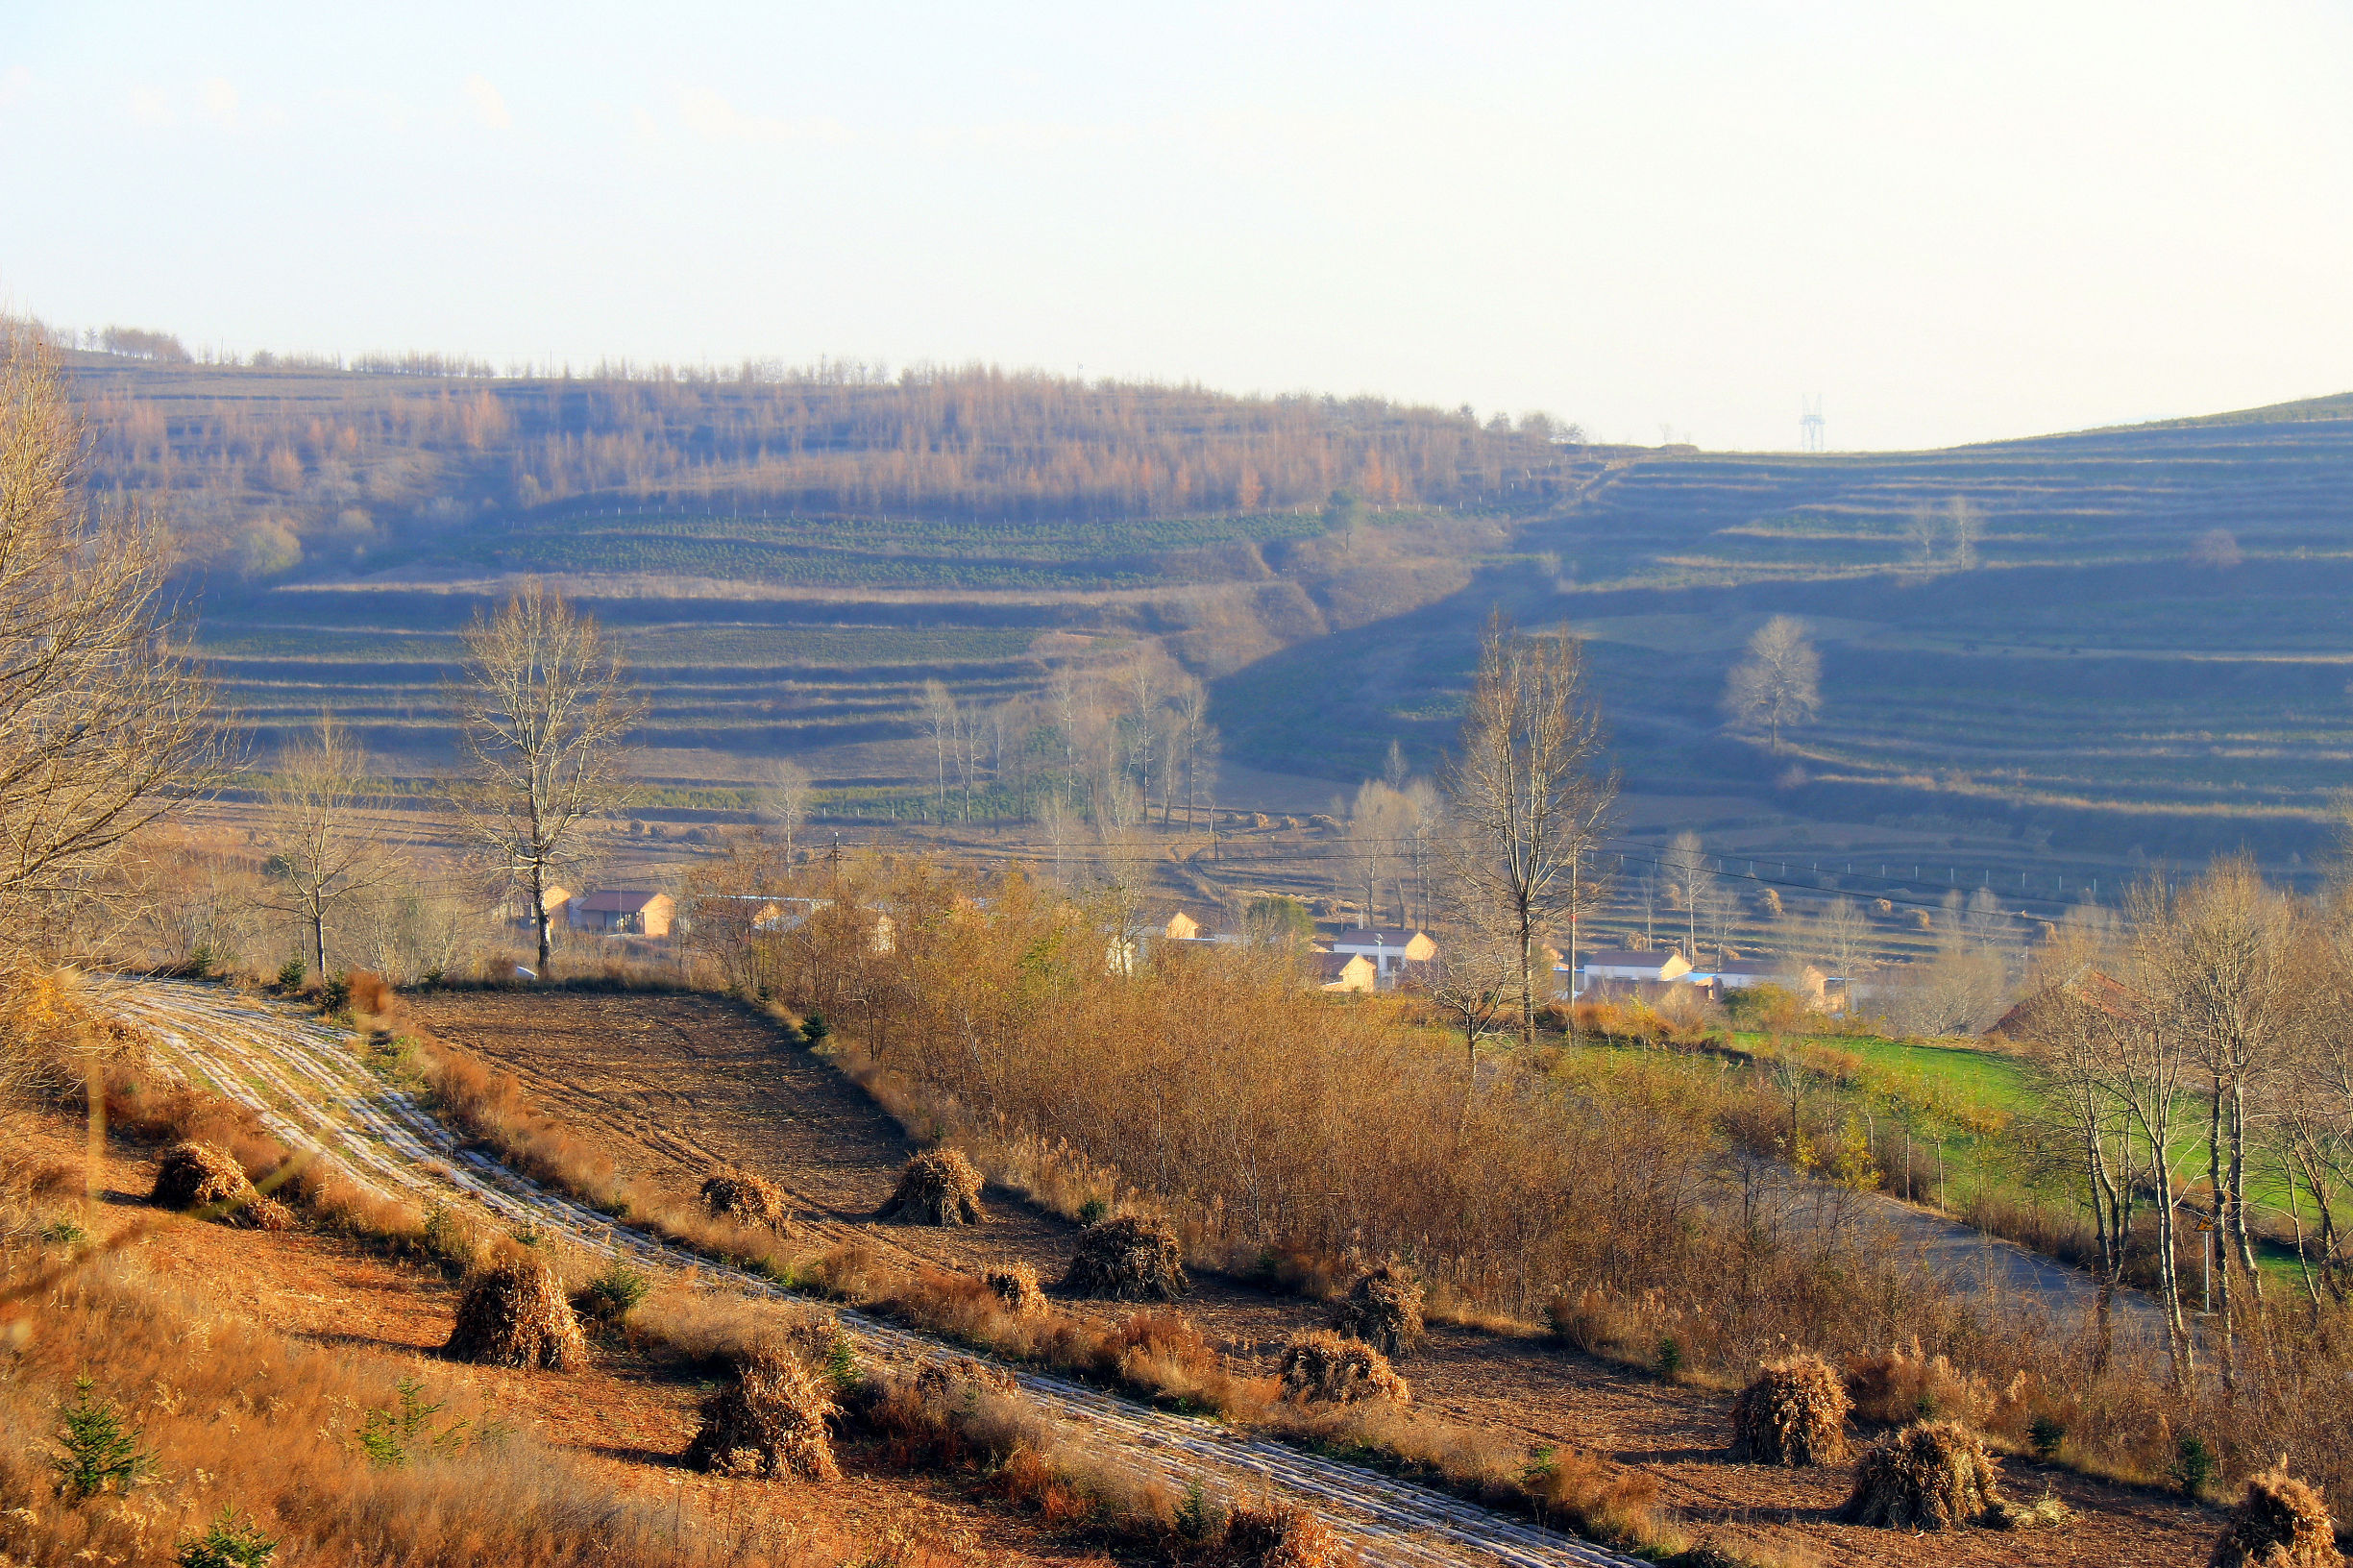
pixel 1952 222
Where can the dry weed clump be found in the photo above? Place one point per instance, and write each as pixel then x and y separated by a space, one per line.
pixel 515 1314
pixel 1906 1383
pixel 1319 1366
pixel 768 1420
pixel 1128 1258
pixel 1280 1535
pixel 938 1187
pixel 1932 1475
pixel 1384 1308
pixel 196 1175
pixel 1015 1285
pixel 747 1198
pixel 1793 1415
pixel 2281 1523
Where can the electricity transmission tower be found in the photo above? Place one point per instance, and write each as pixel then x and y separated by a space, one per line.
pixel 1810 423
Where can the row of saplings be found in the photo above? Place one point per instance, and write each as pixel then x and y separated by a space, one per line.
pixel 772 1417
pixel 1937 1475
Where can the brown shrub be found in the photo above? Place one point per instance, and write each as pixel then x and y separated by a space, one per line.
pixel 1128 1258
pixel 1319 1365
pixel 1384 1308
pixel 1932 1475
pixel 1907 1385
pixel 514 1313
pixel 2281 1523
pixel 1793 1415
pixel 206 1176
pixel 372 994
pixel 1280 1535
pixel 768 1420
pixel 1017 1286
pixel 938 1188
pixel 740 1195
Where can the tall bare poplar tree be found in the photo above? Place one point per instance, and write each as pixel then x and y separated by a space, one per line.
pixel 102 729
pixel 1778 683
pixel 1528 795
pixel 324 851
pixel 543 708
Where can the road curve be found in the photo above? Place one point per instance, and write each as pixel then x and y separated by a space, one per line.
pixel 305 1082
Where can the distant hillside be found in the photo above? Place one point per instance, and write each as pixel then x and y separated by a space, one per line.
pixel 2128 638
pixel 789 556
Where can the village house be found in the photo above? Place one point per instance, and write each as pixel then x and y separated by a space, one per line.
pixel 624 912
pixel 1344 971
pixel 1628 963
pixel 1388 949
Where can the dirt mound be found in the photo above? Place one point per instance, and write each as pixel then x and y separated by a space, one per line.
pixel 1932 1475
pixel 1017 1286
pixel 1280 1535
pixel 515 1315
pixel 1320 1367
pixel 1384 1308
pixel 1128 1258
pixel 740 1195
pixel 768 1421
pixel 1795 1414
pixel 2281 1523
pixel 207 1176
pixel 938 1188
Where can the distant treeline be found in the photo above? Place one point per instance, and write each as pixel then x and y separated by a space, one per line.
pixel 267 463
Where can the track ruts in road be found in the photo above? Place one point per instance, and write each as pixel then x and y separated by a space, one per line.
pixel 304 1079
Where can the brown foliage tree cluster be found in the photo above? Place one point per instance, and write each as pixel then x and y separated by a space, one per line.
pixel 329 462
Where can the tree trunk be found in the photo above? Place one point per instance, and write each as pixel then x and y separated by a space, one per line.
pixel 539 914
pixel 2178 1344
pixel 2215 1220
pixel 2238 1186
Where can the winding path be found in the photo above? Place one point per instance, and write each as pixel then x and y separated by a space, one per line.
pixel 304 1079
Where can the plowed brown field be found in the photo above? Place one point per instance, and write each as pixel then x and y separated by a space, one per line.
pixel 681 1083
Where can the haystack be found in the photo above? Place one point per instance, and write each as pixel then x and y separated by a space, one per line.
pixel 1321 1367
pixel 1932 1475
pixel 207 1176
pixel 740 1195
pixel 1128 1259
pixel 514 1314
pixel 2281 1523
pixel 1280 1535
pixel 768 1421
pixel 1384 1308
pixel 1015 1285
pixel 951 1378
pixel 938 1188
pixel 1793 1415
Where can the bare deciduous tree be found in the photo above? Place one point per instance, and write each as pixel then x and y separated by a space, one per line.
pixel 1379 832
pixel 543 710
pixel 1528 796
pixel 1780 683
pixel 103 728
pixel 782 799
pixel 323 851
pixel 1692 882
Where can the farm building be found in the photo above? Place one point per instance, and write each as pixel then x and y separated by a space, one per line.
pixel 618 911
pixel 1386 948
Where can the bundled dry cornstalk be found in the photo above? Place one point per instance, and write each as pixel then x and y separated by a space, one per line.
pixel 949 1378
pixel 2281 1523
pixel 1932 1475
pixel 1127 1258
pixel 939 1187
pixel 209 1177
pixel 1321 1367
pixel 514 1313
pixel 1793 1415
pixel 1015 1285
pixel 768 1421
pixel 730 1193
pixel 1280 1535
pixel 1384 1308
